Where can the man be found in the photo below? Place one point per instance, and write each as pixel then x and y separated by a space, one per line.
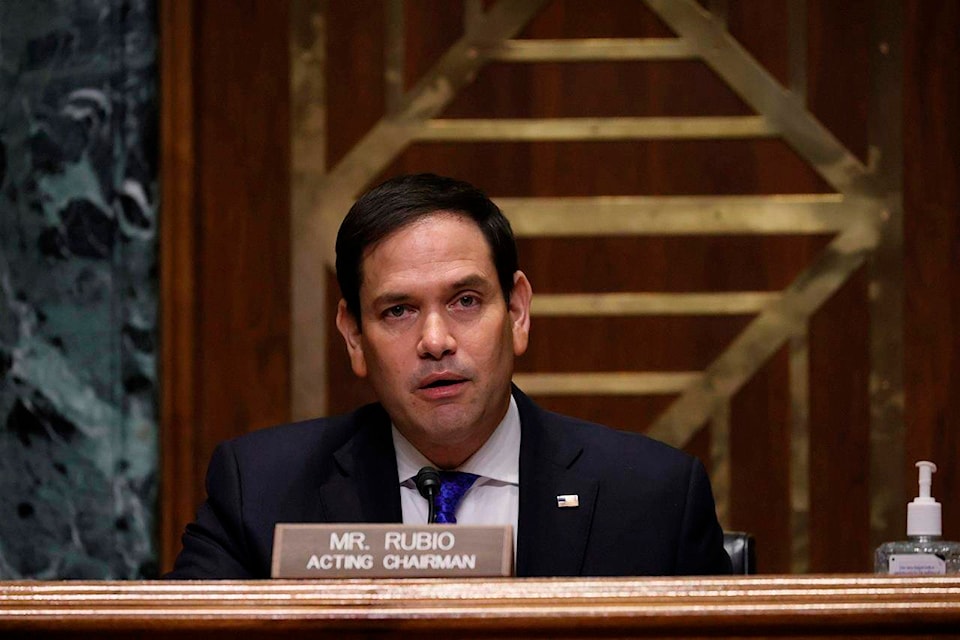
pixel 434 311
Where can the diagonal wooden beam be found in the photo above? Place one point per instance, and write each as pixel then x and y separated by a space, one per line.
pixel 395 131
pixel 783 109
pixel 767 333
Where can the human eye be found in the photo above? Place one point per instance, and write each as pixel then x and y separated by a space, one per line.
pixel 396 311
pixel 467 301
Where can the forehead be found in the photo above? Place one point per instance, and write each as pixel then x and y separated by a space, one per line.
pixel 442 243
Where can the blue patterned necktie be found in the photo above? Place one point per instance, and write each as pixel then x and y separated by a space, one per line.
pixel 453 485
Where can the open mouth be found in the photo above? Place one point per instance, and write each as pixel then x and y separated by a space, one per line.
pixel 441 383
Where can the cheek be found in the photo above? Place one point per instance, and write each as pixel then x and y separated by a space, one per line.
pixel 385 356
pixel 493 347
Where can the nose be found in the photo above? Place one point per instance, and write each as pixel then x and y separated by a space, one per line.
pixel 436 341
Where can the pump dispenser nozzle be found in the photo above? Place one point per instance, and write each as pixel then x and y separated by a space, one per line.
pixel 923 514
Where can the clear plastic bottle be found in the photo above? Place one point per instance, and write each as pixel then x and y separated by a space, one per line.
pixel 923 552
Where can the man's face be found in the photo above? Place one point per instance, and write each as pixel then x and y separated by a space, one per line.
pixel 438 339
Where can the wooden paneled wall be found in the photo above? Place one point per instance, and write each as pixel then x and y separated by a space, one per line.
pixel 760 414
pixel 225 176
pixel 226 185
pixel 932 245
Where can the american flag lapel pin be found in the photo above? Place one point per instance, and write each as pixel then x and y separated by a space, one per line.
pixel 568 501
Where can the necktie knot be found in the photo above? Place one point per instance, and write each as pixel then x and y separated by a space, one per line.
pixel 453 486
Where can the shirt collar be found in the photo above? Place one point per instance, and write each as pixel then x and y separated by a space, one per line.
pixel 498 458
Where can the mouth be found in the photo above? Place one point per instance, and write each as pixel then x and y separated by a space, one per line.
pixel 441 382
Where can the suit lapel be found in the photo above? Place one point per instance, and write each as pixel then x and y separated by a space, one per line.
pixel 551 540
pixel 362 486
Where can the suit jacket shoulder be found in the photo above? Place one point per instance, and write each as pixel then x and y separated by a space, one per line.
pixel 643 507
pixel 301 472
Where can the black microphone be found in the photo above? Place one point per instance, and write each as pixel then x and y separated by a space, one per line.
pixel 428 483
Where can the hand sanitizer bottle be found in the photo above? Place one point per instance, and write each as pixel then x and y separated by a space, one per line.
pixel 923 552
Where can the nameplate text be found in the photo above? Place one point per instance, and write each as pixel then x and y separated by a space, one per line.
pixel 391 551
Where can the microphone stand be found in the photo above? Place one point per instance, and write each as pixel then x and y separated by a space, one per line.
pixel 428 483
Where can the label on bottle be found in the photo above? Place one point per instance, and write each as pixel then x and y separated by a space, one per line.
pixel 917 563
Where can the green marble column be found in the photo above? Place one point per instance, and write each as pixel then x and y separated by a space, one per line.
pixel 78 288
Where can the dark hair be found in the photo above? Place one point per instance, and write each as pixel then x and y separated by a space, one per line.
pixel 406 199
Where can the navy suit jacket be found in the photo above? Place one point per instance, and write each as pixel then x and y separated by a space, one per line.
pixel 645 508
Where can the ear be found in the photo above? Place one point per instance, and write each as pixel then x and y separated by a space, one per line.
pixel 519 308
pixel 350 330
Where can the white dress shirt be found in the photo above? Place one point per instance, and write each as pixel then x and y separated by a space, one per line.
pixel 494 499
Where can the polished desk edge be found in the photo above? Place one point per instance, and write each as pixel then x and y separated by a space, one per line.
pixel 768 601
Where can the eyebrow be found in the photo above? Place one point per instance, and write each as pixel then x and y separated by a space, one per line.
pixel 472 281
pixel 389 299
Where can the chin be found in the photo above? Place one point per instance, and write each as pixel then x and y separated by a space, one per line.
pixel 445 420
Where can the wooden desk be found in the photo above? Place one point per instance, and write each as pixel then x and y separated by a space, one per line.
pixel 753 607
